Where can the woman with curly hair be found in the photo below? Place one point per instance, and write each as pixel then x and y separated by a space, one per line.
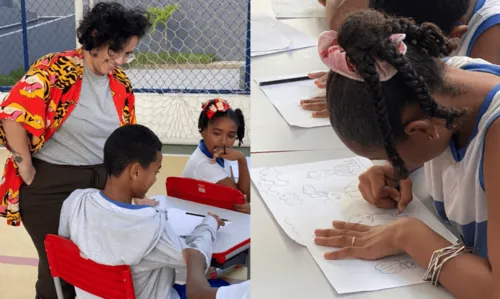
pixel 56 120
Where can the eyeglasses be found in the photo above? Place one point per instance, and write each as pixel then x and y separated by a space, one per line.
pixel 127 57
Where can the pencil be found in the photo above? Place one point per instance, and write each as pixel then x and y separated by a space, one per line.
pixel 225 149
pixel 199 215
pixel 286 80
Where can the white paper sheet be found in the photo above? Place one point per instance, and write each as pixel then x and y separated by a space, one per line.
pixel 183 224
pixel 305 197
pixel 291 189
pixel 271 36
pixel 298 9
pixel 286 99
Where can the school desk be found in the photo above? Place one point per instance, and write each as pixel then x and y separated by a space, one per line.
pixel 233 245
pixel 282 268
pixel 270 132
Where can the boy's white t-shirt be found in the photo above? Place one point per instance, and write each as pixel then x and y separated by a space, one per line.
pixel 235 291
pixel 200 167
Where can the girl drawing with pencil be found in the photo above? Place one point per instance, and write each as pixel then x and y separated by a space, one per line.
pixel 220 127
pixel 391 97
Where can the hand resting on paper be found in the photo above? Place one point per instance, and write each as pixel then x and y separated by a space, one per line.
pixel 317 104
pixel 362 241
pixel 378 186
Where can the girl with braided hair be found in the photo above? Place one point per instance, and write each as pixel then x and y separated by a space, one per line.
pixel 391 97
pixel 220 126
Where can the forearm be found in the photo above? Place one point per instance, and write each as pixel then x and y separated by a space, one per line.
pixel 197 286
pixel 466 276
pixel 18 142
pixel 337 10
pixel 244 177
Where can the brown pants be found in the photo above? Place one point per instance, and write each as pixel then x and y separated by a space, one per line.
pixel 40 206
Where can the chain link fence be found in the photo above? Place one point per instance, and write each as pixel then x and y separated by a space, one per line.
pixel 196 50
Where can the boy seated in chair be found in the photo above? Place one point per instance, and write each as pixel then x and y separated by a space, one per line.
pixel 110 230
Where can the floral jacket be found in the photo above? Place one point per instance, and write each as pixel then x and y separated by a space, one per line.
pixel 41 101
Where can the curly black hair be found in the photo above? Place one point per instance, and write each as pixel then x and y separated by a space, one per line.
pixel 110 23
pixel 364 36
pixel 443 13
pixel 235 115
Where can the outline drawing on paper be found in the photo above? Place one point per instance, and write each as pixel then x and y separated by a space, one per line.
pixel 395 266
pixel 291 199
pixel 312 192
pixel 269 179
pixel 350 168
pixel 287 221
pixel 371 219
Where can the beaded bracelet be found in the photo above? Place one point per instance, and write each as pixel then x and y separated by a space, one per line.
pixel 439 258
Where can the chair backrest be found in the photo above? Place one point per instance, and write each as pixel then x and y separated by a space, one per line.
pixel 204 192
pixel 66 262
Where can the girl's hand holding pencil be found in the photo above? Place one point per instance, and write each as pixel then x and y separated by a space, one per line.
pixel 228 154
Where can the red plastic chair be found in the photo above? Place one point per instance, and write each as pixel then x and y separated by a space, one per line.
pixel 204 192
pixel 66 262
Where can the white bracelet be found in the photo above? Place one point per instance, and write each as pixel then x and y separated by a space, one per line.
pixel 439 258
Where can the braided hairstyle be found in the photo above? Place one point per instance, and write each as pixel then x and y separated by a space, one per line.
pixel 364 36
pixel 235 115
pixel 443 13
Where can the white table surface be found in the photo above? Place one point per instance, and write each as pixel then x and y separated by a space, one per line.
pixel 270 132
pixel 282 268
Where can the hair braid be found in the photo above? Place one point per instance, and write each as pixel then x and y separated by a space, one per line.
pixel 366 68
pixel 389 53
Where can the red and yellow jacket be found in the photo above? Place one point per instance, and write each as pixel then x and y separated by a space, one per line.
pixel 41 101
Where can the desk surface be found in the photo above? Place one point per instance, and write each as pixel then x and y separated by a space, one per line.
pixel 270 132
pixel 282 268
pixel 235 233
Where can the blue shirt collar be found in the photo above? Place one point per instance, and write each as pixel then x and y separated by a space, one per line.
pixel 204 150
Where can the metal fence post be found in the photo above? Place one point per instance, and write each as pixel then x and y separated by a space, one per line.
pixel 25 35
pixel 248 53
pixel 78 16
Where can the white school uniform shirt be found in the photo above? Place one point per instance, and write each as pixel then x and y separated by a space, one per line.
pixel 200 167
pixel 486 15
pixel 455 178
pixel 235 291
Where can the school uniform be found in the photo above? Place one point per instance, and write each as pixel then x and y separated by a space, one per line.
pixel 456 179
pixel 486 15
pixel 200 166
pixel 115 233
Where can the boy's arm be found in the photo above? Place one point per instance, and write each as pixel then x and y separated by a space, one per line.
pixel 487 46
pixel 197 286
pixel 337 10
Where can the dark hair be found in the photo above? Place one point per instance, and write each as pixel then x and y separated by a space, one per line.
pixel 235 115
pixel 110 23
pixel 130 144
pixel 443 13
pixel 364 36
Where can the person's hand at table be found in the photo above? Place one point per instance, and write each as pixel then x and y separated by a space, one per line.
pixel 362 241
pixel 317 105
pixel 220 222
pixel 378 186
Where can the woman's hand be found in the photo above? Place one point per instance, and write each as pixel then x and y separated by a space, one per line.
pixel 230 154
pixel 363 241
pixel 378 186
pixel 27 173
pixel 321 78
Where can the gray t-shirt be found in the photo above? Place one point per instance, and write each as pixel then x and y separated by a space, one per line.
pixel 80 139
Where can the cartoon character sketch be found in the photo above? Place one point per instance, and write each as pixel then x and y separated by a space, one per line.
pixel 396 266
pixel 291 199
pixel 266 188
pixel 373 219
pixel 314 193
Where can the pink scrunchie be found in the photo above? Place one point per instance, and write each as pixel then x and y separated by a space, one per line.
pixel 334 57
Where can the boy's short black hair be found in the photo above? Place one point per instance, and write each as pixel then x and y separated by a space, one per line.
pixel 444 13
pixel 130 144
pixel 110 23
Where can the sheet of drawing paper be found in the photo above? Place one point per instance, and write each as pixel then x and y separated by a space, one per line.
pixel 183 224
pixel 286 99
pixel 352 275
pixel 298 9
pixel 271 36
pixel 290 190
